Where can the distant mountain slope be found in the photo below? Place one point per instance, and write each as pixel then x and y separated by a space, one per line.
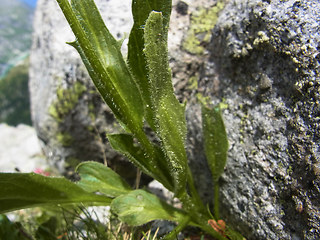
pixel 15 32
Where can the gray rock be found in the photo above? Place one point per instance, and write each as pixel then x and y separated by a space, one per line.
pixel 262 61
pixel 20 149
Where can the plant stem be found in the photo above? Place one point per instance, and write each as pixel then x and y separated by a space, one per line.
pixel 212 232
pixel 178 229
pixel 193 190
pixel 199 216
pixel 216 200
pixel 153 161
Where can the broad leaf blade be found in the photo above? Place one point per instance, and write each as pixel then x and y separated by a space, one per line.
pixel 168 115
pixel 102 57
pixel 215 140
pixel 96 177
pixel 139 207
pixel 124 143
pixel 136 59
pixel 24 190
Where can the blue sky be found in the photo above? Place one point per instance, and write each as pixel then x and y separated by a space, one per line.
pixel 32 3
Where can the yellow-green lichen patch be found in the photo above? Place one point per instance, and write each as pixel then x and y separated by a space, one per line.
pixel 223 105
pixel 91 112
pixel 193 82
pixel 65 139
pixel 261 39
pixel 199 33
pixel 66 101
pixel 203 99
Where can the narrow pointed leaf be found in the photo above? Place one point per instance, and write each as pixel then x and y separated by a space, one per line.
pixel 215 140
pixel 136 59
pixel 96 177
pixel 168 112
pixel 24 190
pixel 124 143
pixel 139 207
pixel 102 57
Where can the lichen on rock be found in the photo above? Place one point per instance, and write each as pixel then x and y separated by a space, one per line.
pixel 199 33
pixel 264 59
pixel 66 100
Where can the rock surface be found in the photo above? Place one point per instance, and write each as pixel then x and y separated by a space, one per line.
pixel 20 149
pixel 262 61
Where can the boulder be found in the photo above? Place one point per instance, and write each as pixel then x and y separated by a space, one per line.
pixel 264 65
pixel 259 58
pixel 20 149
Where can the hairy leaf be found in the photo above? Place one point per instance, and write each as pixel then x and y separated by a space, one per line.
pixel 24 190
pixel 139 207
pixel 102 57
pixel 168 112
pixel 124 143
pixel 96 177
pixel 136 59
pixel 215 140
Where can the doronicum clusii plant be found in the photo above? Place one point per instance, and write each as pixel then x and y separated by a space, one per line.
pixel 139 91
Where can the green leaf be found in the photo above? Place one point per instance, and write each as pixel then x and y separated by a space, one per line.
pixel 47 230
pixel 168 113
pixel 124 143
pixel 102 57
pixel 11 230
pixel 96 177
pixel 24 190
pixel 139 207
pixel 136 59
pixel 215 140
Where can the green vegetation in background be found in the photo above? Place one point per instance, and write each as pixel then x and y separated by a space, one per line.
pixel 14 96
pixel 15 33
pixel 11 230
pixel 56 223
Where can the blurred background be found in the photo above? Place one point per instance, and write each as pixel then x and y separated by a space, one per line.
pixel 19 146
pixel 15 41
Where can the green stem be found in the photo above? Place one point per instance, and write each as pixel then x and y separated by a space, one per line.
pixel 199 216
pixel 208 229
pixel 173 234
pixel 194 192
pixel 216 200
pixel 201 222
pixel 153 161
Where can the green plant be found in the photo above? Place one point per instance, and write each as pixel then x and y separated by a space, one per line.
pixel 10 230
pixel 56 223
pixel 14 96
pixel 140 93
